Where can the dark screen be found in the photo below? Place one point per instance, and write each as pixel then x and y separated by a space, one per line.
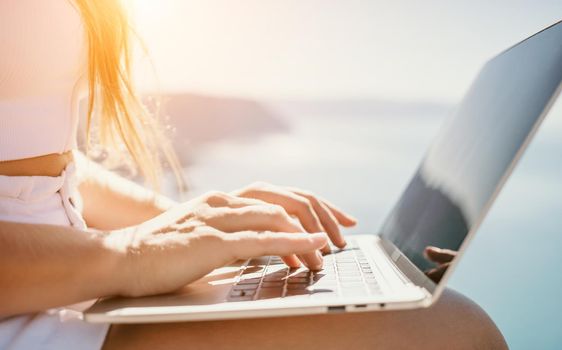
pixel 463 168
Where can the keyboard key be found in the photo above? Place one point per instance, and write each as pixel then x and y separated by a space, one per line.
pixel 301 274
pixel 350 278
pixel 348 269
pixel 252 270
pixel 264 260
pixel 275 260
pixel 276 274
pixel 323 277
pixel 274 278
pixel 245 287
pixel 345 256
pixel 241 293
pixel 268 293
pixel 251 276
pixel 347 265
pixel 297 286
pixel 346 262
pixel 348 272
pixel 250 281
pixel 298 280
pixel 276 284
pixel 236 293
pixel 276 269
pixel 342 261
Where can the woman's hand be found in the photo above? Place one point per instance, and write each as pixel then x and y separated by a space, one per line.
pixel 193 238
pixel 315 214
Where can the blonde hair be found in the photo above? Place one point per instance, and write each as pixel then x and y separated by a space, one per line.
pixel 122 118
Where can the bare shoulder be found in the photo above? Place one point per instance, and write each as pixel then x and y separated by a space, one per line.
pixel 453 322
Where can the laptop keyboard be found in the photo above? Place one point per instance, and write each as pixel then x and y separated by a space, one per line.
pixel 346 272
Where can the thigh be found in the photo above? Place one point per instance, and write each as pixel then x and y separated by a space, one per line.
pixel 453 322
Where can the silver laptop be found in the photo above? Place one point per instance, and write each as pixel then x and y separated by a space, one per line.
pixel 443 205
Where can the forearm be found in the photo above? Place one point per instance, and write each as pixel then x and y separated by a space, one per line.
pixel 44 266
pixel 113 202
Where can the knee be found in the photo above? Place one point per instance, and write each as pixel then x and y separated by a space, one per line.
pixel 453 322
pixel 458 322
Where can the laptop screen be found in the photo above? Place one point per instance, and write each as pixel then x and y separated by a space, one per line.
pixel 461 171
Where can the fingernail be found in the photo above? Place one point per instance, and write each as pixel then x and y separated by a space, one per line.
pixel 343 243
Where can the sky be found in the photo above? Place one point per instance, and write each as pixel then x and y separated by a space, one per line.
pixel 401 50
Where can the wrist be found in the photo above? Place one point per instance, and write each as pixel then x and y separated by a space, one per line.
pixel 112 263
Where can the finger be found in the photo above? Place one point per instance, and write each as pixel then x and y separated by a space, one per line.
pixel 292 261
pixel 250 244
pixel 258 218
pixel 318 259
pixel 218 199
pixel 328 221
pixel 439 255
pixel 313 260
pixel 326 249
pixel 294 204
pixel 343 219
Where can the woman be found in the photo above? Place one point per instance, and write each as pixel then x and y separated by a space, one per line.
pixel 73 232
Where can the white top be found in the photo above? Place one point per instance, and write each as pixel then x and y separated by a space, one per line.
pixel 42 76
pixel 43 73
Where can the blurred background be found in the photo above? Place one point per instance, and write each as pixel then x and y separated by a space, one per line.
pixel 342 98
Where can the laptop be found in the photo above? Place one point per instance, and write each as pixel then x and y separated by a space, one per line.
pixel 443 205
